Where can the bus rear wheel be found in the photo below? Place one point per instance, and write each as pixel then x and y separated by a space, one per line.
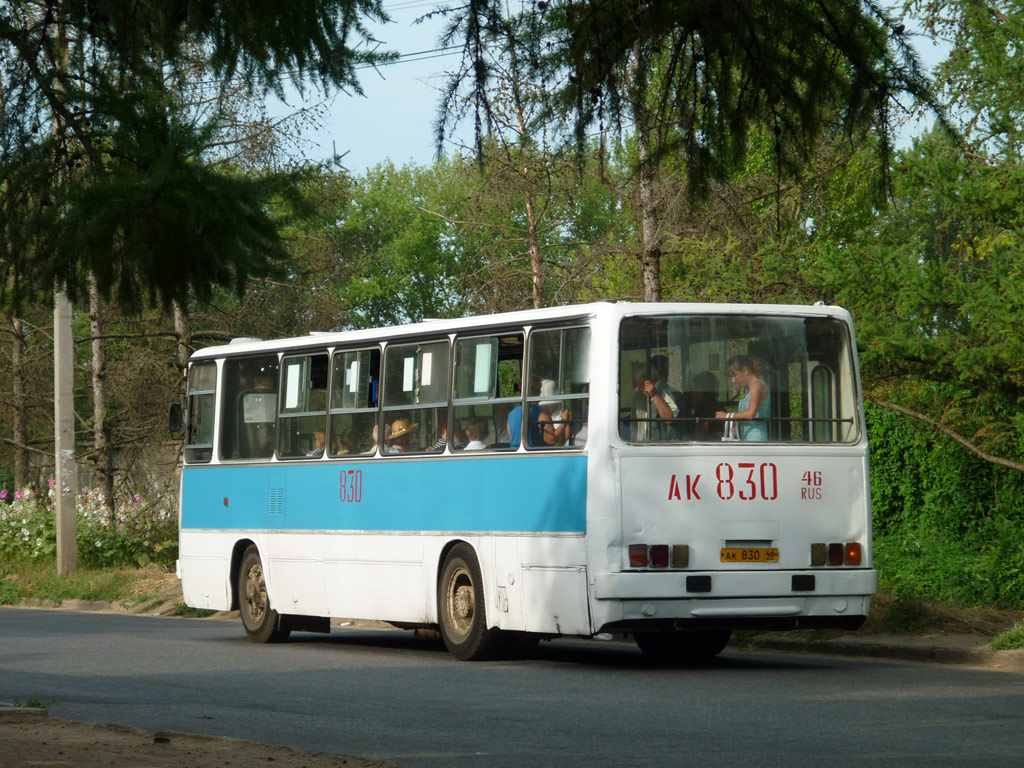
pixel 682 647
pixel 261 622
pixel 462 610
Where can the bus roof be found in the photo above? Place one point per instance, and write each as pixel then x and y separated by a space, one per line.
pixel 319 339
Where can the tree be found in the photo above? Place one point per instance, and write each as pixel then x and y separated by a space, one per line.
pixel 115 180
pixel 696 77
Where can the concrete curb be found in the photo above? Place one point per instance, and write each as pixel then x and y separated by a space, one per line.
pixel 912 649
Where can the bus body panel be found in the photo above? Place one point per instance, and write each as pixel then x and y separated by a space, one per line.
pixel 737 498
pixel 373 549
pixel 539 493
pixel 532 583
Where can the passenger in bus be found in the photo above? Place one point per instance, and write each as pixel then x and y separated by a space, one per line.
pixel 515 426
pixel 442 441
pixel 345 443
pixel 756 404
pixel 502 439
pixel 318 444
pixel 476 431
pixel 400 436
pixel 701 405
pixel 555 432
pixel 654 407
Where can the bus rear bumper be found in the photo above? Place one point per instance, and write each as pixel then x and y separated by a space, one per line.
pixel 651 601
pixel 675 585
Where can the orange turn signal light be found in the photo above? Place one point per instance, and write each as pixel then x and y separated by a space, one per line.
pixel 853 553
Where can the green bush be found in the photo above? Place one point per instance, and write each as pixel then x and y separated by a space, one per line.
pixel 949 526
pixel 138 532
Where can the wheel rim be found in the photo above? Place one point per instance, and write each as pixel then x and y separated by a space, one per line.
pixel 460 601
pixel 255 593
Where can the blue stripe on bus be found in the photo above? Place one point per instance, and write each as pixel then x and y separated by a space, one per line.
pixel 535 494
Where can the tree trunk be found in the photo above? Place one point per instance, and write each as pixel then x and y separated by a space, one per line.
pixel 650 237
pixel 184 333
pixel 533 241
pixel 103 461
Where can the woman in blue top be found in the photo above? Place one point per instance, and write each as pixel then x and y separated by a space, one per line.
pixel 756 403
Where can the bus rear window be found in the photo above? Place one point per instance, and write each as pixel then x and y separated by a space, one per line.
pixel 736 377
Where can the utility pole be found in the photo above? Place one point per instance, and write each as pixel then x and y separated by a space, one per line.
pixel 64 435
pixel 64 401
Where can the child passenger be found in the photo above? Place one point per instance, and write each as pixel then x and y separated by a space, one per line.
pixel 476 431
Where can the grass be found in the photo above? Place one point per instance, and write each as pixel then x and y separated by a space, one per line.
pixel 32 704
pixel 182 610
pixel 1010 639
pixel 35 582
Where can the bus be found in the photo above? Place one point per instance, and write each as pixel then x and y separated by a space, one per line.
pixel 571 471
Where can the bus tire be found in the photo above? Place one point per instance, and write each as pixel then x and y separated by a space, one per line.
pixel 462 610
pixel 682 647
pixel 261 622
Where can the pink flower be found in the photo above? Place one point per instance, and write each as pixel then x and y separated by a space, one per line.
pixel 19 495
pixel 52 481
pixel 138 498
pixel 3 494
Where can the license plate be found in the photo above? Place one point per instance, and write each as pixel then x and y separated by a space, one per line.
pixel 750 555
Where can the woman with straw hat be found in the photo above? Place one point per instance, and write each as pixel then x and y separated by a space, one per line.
pixel 399 436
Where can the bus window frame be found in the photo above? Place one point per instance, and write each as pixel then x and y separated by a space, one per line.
pixel 454 403
pixel 376 410
pixel 528 399
pixel 387 414
pixel 282 417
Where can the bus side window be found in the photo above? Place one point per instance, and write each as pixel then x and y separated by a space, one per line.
pixel 202 393
pixel 558 396
pixel 302 413
pixel 487 375
pixel 248 407
pixel 415 400
pixel 354 402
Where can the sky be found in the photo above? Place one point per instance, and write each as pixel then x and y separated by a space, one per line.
pixel 394 120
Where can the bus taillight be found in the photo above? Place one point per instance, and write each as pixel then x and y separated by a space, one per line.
pixel 853 553
pixel 659 556
pixel 637 555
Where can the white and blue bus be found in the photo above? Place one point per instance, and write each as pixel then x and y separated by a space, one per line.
pixel 572 471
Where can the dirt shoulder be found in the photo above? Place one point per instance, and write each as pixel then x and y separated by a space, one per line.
pixel 30 738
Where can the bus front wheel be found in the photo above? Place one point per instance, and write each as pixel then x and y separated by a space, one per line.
pixel 461 609
pixel 262 623
pixel 682 647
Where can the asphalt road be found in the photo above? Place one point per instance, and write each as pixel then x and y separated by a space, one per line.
pixel 389 695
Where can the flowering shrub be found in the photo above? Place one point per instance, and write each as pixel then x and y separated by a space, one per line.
pixel 139 532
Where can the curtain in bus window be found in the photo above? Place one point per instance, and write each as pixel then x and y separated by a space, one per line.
pixel 249 407
pixel 559 385
pixel 353 424
pixel 415 401
pixel 488 371
pixel 302 417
